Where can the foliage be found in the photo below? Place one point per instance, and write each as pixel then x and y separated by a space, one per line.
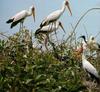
pixel 24 68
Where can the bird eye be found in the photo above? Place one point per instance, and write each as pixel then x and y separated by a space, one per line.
pixel 66 3
pixel 59 23
pixel 92 38
pixel 33 8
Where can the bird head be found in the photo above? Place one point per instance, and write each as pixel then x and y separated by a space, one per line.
pixel 84 42
pixel 33 11
pixel 68 6
pixel 60 24
pixel 92 38
pixel 84 38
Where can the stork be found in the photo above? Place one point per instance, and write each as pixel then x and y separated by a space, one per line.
pixel 93 45
pixel 84 42
pixel 47 29
pixel 21 16
pixel 88 67
pixel 54 16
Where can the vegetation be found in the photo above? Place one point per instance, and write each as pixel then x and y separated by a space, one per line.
pixel 25 68
pixel 31 69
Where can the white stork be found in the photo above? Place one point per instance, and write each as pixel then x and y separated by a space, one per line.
pixel 84 42
pixel 93 45
pixel 54 16
pixel 19 17
pixel 49 28
pixel 89 68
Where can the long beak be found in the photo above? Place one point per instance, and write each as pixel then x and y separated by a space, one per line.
pixel 60 24
pixel 69 8
pixel 83 38
pixel 33 13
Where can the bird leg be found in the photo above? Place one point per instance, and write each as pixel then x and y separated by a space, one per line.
pixel 50 28
pixel 56 32
pixel 47 36
pixel 45 42
pixel 22 25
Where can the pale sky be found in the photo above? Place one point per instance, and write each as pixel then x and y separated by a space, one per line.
pixel 9 8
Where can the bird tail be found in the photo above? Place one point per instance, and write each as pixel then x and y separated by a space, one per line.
pixel 13 24
pixel 99 46
pixel 37 32
pixel 43 23
pixel 9 21
pixel 98 81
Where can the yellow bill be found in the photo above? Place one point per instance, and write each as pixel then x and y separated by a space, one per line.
pixel 68 6
pixel 60 24
pixel 33 13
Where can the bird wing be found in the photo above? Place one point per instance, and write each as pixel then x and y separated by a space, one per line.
pixel 49 27
pixel 96 45
pixel 51 17
pixel 19 15
pixel 45 28
pixel 54 15
pixel 90 68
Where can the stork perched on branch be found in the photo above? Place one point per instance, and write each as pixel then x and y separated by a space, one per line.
pixel 47 29
pixel 93 45
pixel 20 17
pixel 54 16
pixel 88 67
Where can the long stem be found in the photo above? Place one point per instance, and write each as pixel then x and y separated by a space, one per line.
pixel 81 19
pixel 84 16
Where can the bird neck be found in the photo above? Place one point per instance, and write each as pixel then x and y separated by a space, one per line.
pixel 83 56
pixel 29 12
pixel 63 7
pixel 57 25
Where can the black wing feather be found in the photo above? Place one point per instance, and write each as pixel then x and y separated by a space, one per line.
pixel 16 22
pixel 9 21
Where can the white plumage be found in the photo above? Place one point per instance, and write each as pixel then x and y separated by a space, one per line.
pixel 19 17
pixel 49 28
pixel 93 45
pixel 89 67
pixel 54 16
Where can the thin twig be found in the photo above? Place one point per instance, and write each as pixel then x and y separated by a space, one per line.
pixel 85 30
pixel 84 16
pixel 97 34
pixel 81 19
pixel 4 35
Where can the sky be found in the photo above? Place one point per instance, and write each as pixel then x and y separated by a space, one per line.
pixel 91 22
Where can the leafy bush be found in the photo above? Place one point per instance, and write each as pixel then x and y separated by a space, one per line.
pixel 33 70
